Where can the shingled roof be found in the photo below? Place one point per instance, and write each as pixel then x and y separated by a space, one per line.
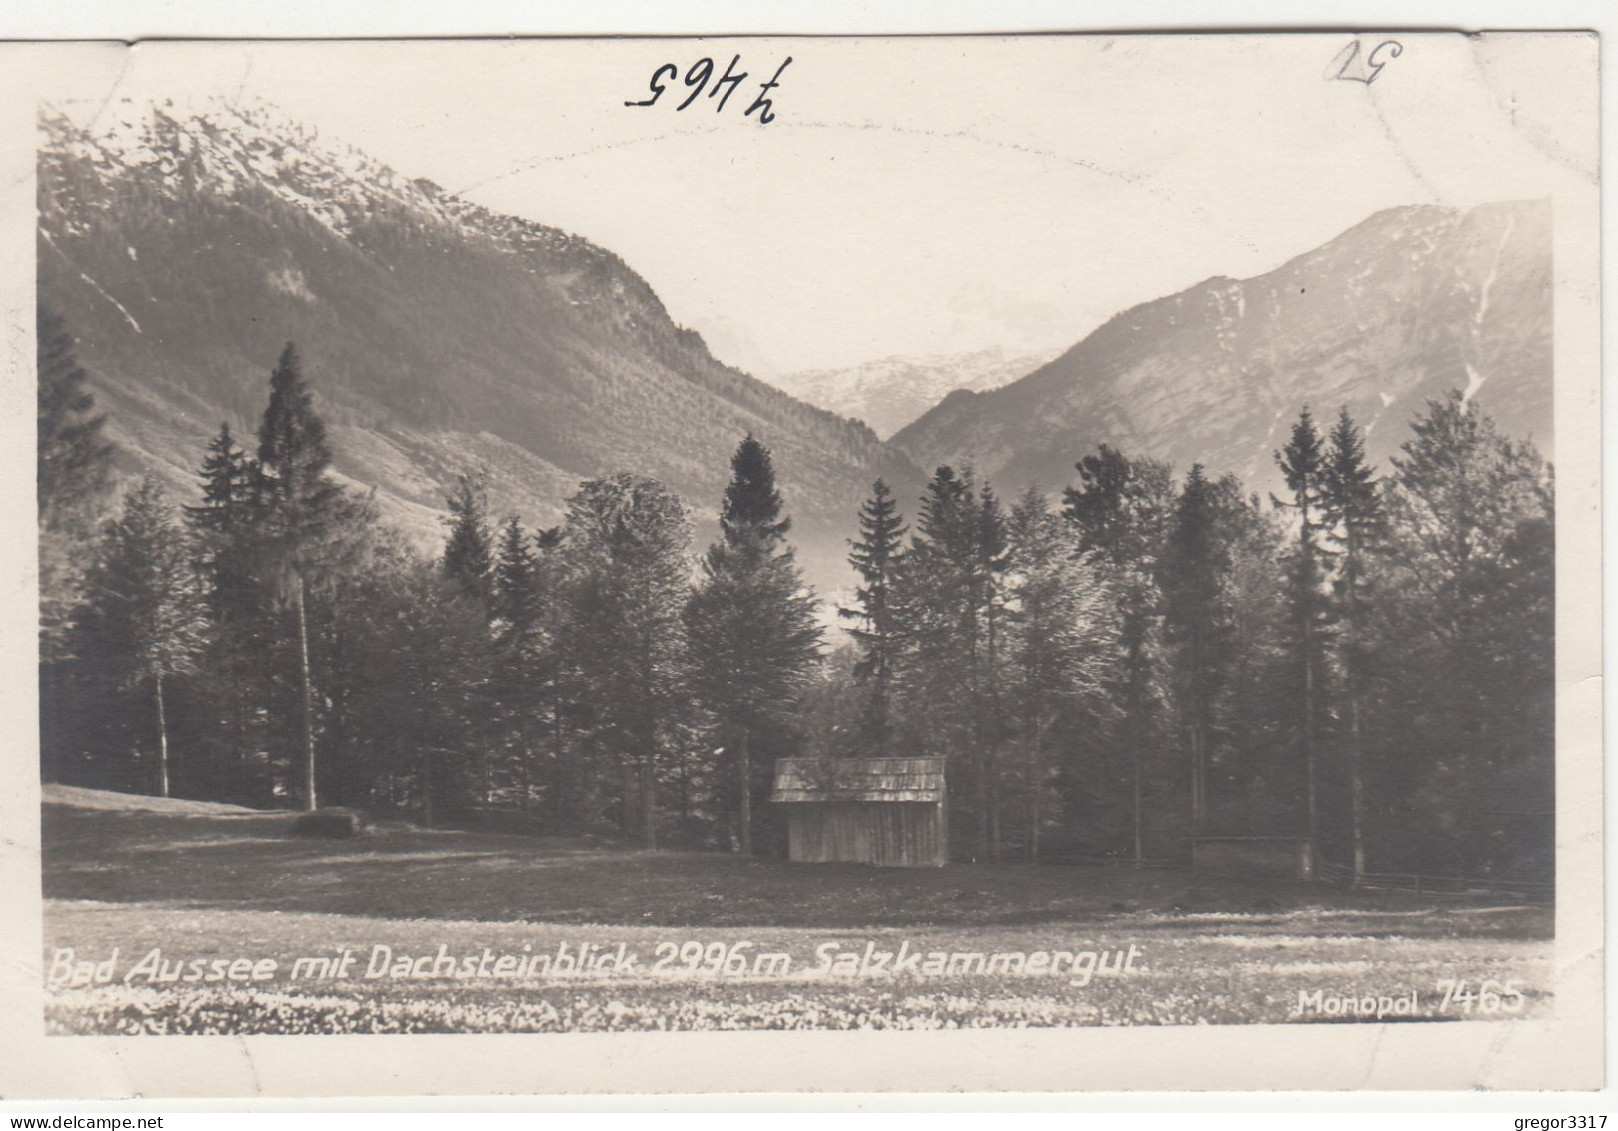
pixel 859 779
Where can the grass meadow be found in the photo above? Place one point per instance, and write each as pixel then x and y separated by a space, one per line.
pixel 186 917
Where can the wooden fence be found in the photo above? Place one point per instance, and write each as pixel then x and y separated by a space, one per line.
pixel 1533 890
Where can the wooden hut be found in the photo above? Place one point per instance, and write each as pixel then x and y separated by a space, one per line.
pixel 885 811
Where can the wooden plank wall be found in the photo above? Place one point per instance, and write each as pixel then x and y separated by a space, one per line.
pixel 890 833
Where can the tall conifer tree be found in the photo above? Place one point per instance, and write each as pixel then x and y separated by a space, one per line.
pixel 469 553
pixel 1351 512
pixel 878 557
pixel 1062 635
pixel 302 511
pixel 1198 561
pixel 143 619
pixel 74 469
pixel 1121 511
pixel 74 457
pixel 954 591
pixel 624 584
pixel 751 620
pixel 1302 462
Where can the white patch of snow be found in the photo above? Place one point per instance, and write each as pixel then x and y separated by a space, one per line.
pixel 130 317
pixel 1494 271
pixel 132 254
pixel 1387 399
pixel 1474 382
pixel 290 281
pixel 93 284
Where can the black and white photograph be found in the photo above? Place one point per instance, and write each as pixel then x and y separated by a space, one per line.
pixel 903 535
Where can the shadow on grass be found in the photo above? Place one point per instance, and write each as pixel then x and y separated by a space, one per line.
pixel 238 859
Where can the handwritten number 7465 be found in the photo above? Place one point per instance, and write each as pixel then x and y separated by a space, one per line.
pixel 696 80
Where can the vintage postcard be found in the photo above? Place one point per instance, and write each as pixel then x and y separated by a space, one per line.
pixel 663 565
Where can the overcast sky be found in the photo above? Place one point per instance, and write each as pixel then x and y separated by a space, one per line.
pixel 915 197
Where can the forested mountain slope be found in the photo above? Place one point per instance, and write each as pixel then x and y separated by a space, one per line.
pixel 183 251
pixel 1407 304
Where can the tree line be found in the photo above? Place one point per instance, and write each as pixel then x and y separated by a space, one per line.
pixel 1150 657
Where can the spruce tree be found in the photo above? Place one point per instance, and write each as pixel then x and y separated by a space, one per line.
pixel 516 582
pixel 226 483
pixel 751 620
pixel 522 672
pixel 469 552
pixel 223 522
pixel 237 671
pixel 1121 511
pixel 878 557
pixel 74 458
pixel 623 587
pixel 1302 462
pixel 74 469
pixel 752 516
pixel 143 619
pixel 992 559
pixel 294 456
pixel 1061 641
pixel 1351 511
pixel 1197 563
pixel 1467 726
pixel 953 588
pixel 302 514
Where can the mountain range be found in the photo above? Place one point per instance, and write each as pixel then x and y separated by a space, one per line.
pixel 183 249
pixel 890 392
pixel 1411 302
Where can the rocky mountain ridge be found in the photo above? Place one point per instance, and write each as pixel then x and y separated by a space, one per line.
pixel 1400 308
pixel 183 250
pixel 890 392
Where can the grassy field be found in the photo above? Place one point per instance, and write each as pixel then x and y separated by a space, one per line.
pixel 442 930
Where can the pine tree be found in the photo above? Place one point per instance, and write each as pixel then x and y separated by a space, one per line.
pixel 878 558
pixel 302 513
pixel 624 581
pixel 1099 508
pixel 516 582
pixel 989 596
pixel 74 469
pixel 1197 563
pixel 1122 512
pixel 953 588
pixel 752 515
pixel 74 459
pixel 294 456
pixel 236 671
pixel 523 670
pixel 469 553
pixel 223 522
pixel 1302 462
pixel 1458 583
pixel 751 620
pixel 143 615
pixel 404 681
pixel 227 481
pixel 1351 514
pixel 1063 632
pixel 469 567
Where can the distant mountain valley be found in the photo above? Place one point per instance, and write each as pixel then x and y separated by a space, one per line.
pixel 891 392
pixel 183 251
